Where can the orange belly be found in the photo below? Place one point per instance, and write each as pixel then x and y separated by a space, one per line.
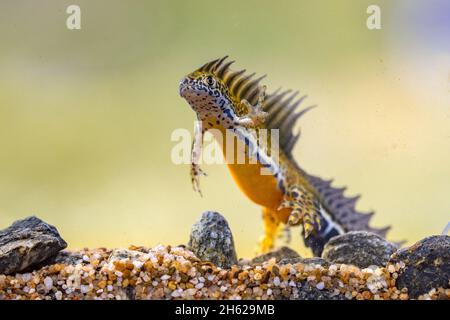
pixel 260 188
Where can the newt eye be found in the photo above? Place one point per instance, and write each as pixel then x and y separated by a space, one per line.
pixel 209 80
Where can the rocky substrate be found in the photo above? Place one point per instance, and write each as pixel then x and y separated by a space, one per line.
pixel 357 265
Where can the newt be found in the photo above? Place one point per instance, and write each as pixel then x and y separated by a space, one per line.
pixel 235 103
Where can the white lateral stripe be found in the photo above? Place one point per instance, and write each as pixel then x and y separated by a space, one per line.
pixel 331 223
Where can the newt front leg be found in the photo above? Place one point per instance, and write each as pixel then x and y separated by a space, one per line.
pixel 196 152
pixel 256 115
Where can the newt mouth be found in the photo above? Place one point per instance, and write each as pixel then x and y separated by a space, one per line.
pixel 182 88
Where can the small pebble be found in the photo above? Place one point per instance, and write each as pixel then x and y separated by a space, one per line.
pixel 48 283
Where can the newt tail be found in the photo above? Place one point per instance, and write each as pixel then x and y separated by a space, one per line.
pixel 234 103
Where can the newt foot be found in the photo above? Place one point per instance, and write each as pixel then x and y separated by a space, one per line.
pixel 304 210
pixel 196 172
pixel 256 115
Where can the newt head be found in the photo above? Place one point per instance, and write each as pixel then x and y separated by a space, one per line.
pixel 207 95
pixel 228 97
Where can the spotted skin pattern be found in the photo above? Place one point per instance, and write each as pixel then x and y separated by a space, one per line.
pixel 231 102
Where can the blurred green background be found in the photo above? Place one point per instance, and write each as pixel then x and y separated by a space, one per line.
pixel 86 115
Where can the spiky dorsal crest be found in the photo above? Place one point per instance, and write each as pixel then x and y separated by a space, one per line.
pixel 282 107
pixel 343 208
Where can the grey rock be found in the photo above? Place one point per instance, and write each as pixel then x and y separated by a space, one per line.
pixel 211 240
pixel 285 255
pixel 427 265
pixel 67 257
pixel 244 262
pixel 290 260
pixel 280 254
pixel 359 248
pixel 314 261
pixel 63 257
pixel 120 254
pixel 27 243
pixel 306 291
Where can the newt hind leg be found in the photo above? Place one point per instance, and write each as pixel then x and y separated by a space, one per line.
pixel 285 234
pixel 271 230
pixel 305 209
